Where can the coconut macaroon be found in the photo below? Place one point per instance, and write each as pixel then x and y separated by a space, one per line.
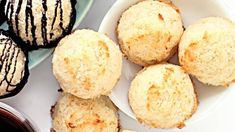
pixel 207 51
pixel 87 64
pixel 13 66
pixel 163 96
pixel 149 32
pixel 72 114
pixel 40 23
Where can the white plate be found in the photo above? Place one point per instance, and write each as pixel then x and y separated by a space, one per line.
pixel 191 10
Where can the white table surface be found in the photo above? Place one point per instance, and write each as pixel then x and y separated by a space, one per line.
pixel 40 93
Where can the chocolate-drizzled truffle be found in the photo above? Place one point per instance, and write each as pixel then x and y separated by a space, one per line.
pixel 13 66
pixel 40 23
pixel 2 16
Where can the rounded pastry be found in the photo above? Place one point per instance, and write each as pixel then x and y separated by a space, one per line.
pixel 13 66
pixel 207 51
pixel 149 32
pixel 72 114
pixel 163 96
pixel 40 23
pixel 87 64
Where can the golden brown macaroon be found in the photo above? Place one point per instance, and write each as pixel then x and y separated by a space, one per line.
pixel 207 51
pixel 149 32
pixel 87 64
pixel 163 96
pixel 72 114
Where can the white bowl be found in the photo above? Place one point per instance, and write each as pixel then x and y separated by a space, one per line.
pixel 191 10
pixel 12 115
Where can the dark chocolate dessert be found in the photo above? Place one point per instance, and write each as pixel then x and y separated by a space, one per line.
pixel 11 123
pixel 40 23
pixel 14 71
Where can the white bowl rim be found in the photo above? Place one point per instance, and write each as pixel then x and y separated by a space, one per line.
pixel 114 98
pixel 21 116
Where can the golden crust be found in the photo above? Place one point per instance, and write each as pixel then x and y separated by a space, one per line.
pixel 144 41
pixel 74 114
pixel 87 64
pixel 207 51
pixel 163 96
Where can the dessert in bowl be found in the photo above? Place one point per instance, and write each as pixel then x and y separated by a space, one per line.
pixel 191 11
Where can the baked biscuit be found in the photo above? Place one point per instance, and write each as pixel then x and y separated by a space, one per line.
pixel 72 114
pixel 207 51
pixel 87 64
pixel 163 96
pixel 149 32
